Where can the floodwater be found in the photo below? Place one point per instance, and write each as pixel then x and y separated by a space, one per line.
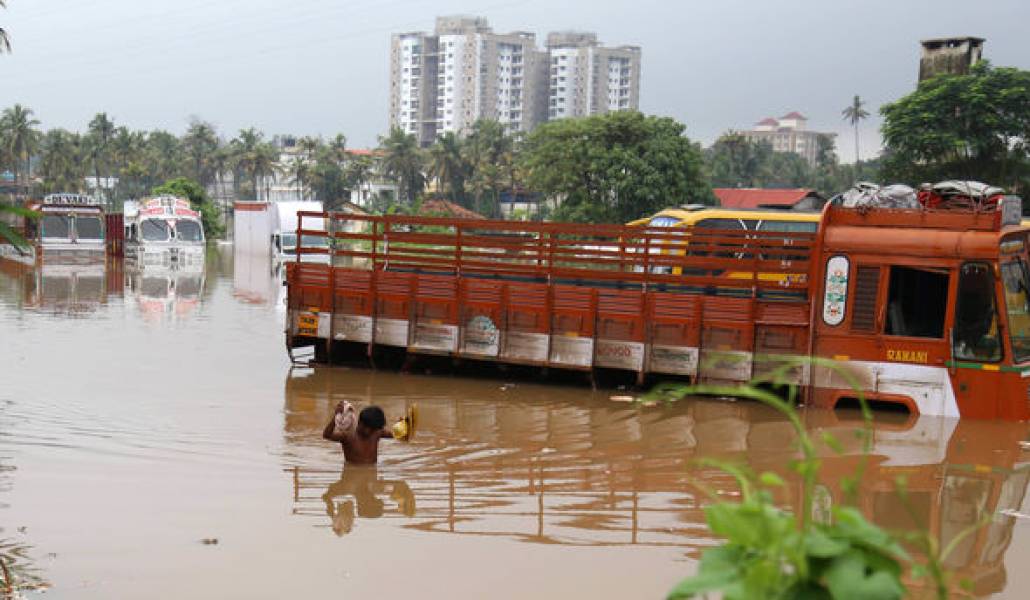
pixel 156 441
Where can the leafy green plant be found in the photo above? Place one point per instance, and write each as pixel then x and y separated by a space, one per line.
pixel 8 233
pixel 771 552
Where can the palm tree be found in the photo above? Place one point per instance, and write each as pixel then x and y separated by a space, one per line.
pixel 21 137
pixel 309 146
pixel 242 149
pixel 5 42
pixel 61 162
pixel 402 160
pixel 853 114
pixel 101 130
pixel 299 170
pixel 264 163
pixel 200 143
pixel 358 173
pixel 447 165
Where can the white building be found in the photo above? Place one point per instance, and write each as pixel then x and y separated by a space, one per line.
pixel 589 79
pixel 789 133
pixel 464 72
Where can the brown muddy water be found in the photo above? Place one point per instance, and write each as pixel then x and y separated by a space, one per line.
pixel 155 441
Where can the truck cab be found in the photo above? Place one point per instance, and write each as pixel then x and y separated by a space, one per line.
pixel 924 311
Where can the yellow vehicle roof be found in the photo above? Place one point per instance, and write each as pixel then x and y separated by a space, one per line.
pixel 688 217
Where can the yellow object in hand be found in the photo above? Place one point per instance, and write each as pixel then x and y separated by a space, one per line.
pixel 400 429
pixel 404 428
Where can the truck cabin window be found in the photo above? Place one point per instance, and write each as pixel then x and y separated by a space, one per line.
pixel 916 302
pixel 976 315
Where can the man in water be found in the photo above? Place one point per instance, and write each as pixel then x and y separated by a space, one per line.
pixel 360 444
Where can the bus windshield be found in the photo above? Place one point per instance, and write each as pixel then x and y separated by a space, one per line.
pixel 88 228
pixel 56 226
pixel 154 230
pixel 188 231
pixel 1016 277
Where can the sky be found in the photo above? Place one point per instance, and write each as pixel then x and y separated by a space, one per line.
pixel 320 67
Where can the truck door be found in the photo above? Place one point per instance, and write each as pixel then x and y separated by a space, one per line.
pixel 976 349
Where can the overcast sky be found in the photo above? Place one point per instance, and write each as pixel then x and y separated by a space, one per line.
pixel 321 66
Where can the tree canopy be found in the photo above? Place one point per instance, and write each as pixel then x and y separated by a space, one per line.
pixel 182 187
pixel 614 167
pixel 974 126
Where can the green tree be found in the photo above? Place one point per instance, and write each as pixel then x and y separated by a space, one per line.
pixel 737 162
pixel 447 166
pixel 300 171
pixel 358 172
pixel 200 144
pixel 402 161
pixel 21 137
pixel 488 152
pixel 5 40
pixel 182 187
pixel 854 114
pixel 163 157
pixel 972 126
pixel 101 130
pixel 615 167
pixel 62 161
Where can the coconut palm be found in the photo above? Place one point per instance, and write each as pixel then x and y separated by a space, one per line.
pixel 447 165
pixel 309 146
pixel 853 114
pixel 358 173
pixel 402 160
pixel 5 42
pixel 299 169
pixel 61 161
pixel 101 130
pixel 199 144
pixel 21 138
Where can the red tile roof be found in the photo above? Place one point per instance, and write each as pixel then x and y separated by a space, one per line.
pixel 758 197
pixel 794 115
pixel 768 121
pixel 445 208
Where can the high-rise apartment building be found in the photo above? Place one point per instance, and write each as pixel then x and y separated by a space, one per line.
pixel 463 72
pixel 590 79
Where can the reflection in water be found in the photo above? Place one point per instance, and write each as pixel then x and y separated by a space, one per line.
pixel 165 292
pixel 359 491
pixel 257 278
pixel 70 289
pixel 560 466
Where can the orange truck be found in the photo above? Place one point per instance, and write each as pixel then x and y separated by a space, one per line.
pixel 926 311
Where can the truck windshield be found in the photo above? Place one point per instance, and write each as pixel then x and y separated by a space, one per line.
pixel 1016 277
pixel 154 230
pixel 188 231
pixel 309 241
pixel 56 227
pixel 88 228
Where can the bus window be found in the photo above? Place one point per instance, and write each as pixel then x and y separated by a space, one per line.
pixel 976 322
pixel 789 226
pixel 1016 277
pixel 719 224
pixel 916 302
